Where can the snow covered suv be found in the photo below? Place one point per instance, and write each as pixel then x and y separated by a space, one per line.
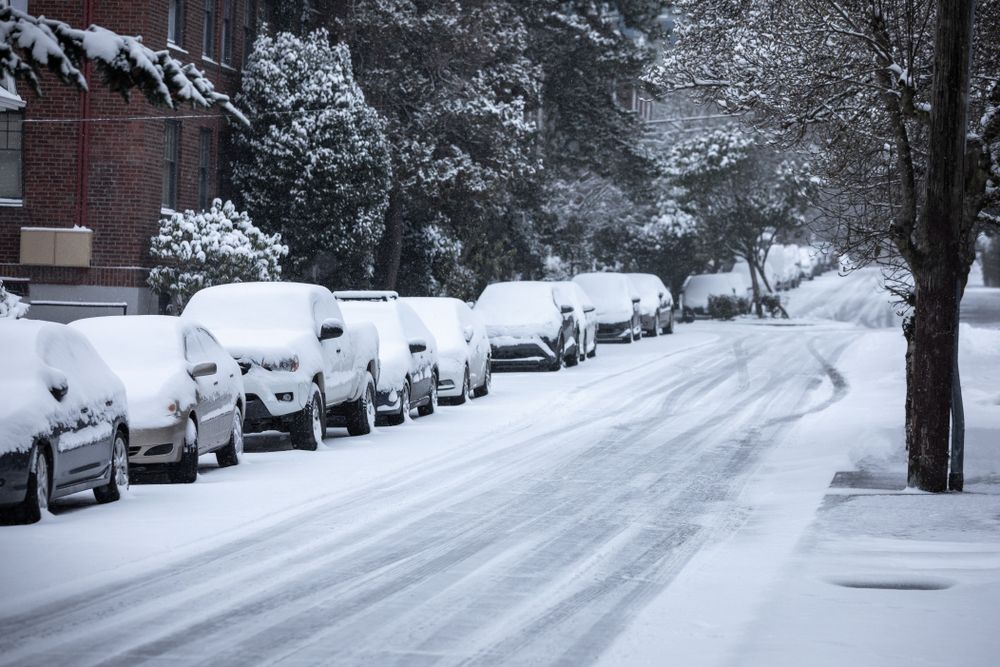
pixel 301 362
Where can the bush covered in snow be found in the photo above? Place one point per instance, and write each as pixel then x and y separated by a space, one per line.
pixel 213 247
pixel 314 163
pixel 11 305
pixel 726 307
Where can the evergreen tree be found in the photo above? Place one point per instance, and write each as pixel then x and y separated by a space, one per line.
pixel 314 162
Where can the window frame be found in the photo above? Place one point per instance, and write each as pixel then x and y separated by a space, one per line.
pixel 175 13
pixel 208 30
pixel 171 164
pixel 228 19
pixel 205 144
pixel 11 198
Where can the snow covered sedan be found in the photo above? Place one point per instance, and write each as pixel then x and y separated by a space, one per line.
pixel 698 288
pixel 656 304
pixel 584 316
pixel 185 393
pixel 63 420
pixel 617 303
pixel 301 363
pixel 527 329
pixel 407 356
pixel 463 347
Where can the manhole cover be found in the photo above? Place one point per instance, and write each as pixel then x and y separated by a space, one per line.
pixel 895 584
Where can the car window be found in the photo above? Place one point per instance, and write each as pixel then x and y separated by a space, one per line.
pixel 74 357
pixel 413 326
pixel 214 351
pixel 194 348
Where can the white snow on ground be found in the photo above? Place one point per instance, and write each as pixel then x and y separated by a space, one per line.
pixel 665 503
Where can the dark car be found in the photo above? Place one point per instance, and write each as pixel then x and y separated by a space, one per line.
pixel 63 420
pixel 526 327
pixel 618 317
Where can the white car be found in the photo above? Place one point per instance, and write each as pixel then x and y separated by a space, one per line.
pixel 656 304
pixel 185 393
pixel 617 302
pixel 463 347
pixel 407 357
pixel 742 269
pixel 584 316
pixel 301 363
pixel 63 420
pixel 698 288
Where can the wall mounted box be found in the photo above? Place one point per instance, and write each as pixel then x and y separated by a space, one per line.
pixel 56 246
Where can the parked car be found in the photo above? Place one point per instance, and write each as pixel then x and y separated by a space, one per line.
pixel 301 364
pixel 407 356
pixel 656 304
pixel 618 318
pixel 808 261
pixel 742 269
pixel 777 270
pixel 584 316
pixel 793 259
pixel 698 288
pixel 63 420
pixel 185 393
pixel 366 295
pixel 525 326
pixel 463 347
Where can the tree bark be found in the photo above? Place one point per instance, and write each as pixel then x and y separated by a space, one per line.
pixel 390 250
pixel 938 279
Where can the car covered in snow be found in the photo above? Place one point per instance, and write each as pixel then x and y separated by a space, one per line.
pixel 407 357
pixel 366 295
pixel 185 393
pixel 742 269
pixel 526 327
pixel 698 288
pixel 584 316
pixel 463 347
pixel 63 420
pixel 656 304
pixel 302 364
pixel 618 318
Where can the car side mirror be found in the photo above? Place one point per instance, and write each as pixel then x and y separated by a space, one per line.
pixel 203 369
pixel 470 304
pixel 417 345
pixel 566 310
pixel 636 299
pixel 59 391
pixel 331 328
pixel 589 309
pixel 468 332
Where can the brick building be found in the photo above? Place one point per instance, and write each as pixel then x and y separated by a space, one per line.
pixel 108 168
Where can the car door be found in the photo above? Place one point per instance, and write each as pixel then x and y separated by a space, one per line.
pixel 227 381
pixel 84 436
pixel 208 404
pixel 338 361
pixel 478 348
pixel 423 362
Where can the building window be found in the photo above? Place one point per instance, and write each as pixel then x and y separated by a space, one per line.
pixel 208 35
pixel 247 30
pixel 227 31
pixel 204 164
pixel 171 153
pixel 175 22
pixel 10 155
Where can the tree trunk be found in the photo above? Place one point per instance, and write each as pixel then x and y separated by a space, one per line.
pixel 390 250
pixel 758 308
pixel 938 277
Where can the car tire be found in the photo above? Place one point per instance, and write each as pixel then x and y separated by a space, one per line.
pixel 669 329
pixel 230 454
pixel 185 471
pixel 464 395
pixel 361 413
pixel 574 359
pixel 309 425
pixel 487 385
pixel 118 482
pixel 39 492
pixel 428 408
pixel 656 327
pixel 557 363
pixel 404 407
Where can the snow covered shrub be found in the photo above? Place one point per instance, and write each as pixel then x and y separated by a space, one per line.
pixel 771 303
pixel 213 247
pixel 726 307
pixel 314 163
pixel 11 305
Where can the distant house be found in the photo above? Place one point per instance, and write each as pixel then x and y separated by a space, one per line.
pixel 84 178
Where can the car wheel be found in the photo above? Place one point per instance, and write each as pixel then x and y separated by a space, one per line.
pixel 118 483
pixel 656 327
pixel 361 417
pixel 487 385
pixel 560 353
pixel 574 359
pixel 36 500
pixel 404 407
pixel 462 397
pixel 186 470
pixel 230 454
pixel 309 426
pixel 669 329
pixel 432 402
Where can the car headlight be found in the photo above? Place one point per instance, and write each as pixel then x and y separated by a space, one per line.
pixel 289 364
pixel 174 408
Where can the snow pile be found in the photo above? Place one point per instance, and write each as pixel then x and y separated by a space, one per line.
pixel 213 247
pixel 610 293
pixel 519 309
pixel 11 306
pixel 38 359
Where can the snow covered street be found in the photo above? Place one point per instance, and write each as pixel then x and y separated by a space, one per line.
pixel 596 513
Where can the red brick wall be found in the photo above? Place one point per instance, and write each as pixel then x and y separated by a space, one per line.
pixel 125 161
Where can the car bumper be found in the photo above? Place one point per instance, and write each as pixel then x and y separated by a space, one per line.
pixel 387 401
pixel 528 353
pixel 272 396
pixel 616 331
pixel 151 446
pixel 450 380
pixel 13 477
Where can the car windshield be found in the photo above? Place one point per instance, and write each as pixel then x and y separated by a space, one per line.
pixel 517 303
pixel 250 306
pixel 134 343
pixel 382 314
pixel 440 316
pixel 607 291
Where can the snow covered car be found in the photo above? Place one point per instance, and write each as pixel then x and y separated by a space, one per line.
pixel 742 269
pixel 185 393
pixel 366 295
pixel 301 363
pixel 63 420
pixel 698 288
pixel 463 347
pixel 407 356
pixel 618 319
pixel 584 316
pixel 656 304
pixel 808 262
pixel 525 326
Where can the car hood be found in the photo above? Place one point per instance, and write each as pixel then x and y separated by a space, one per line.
pixel 150 390
pixel 267 345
